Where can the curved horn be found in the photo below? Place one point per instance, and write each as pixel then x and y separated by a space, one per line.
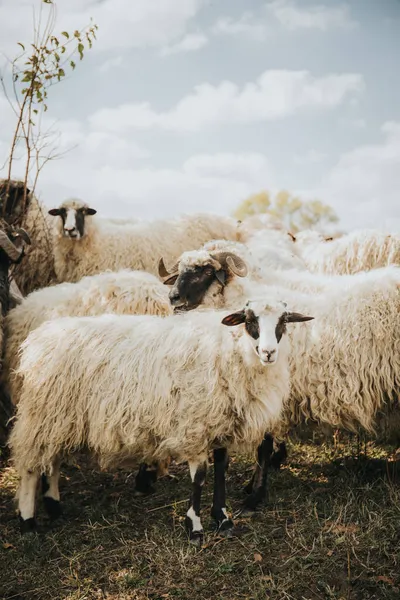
pixel 23 234
pixel 234 262
pixel 6 244
pixel 163 271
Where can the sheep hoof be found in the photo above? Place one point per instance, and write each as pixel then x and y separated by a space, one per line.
pixel 245 513
pixel 226 528
pixel 27 525
pixel 195 537
pixel 52 507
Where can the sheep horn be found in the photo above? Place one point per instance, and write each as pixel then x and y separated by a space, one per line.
pixel 233 262
pixel 163 271
pixel 293 237
pixel 24 235
pixel 6 244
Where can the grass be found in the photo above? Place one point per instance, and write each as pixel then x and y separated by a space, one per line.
pixel 330 531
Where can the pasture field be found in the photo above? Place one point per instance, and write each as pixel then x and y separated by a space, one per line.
pixel 330 531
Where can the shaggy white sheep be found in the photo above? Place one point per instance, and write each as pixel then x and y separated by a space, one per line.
pixel 346 366
pixel 275 249
pixel 86 245
pixel 148 388
pixel 123 292
pixel 359 250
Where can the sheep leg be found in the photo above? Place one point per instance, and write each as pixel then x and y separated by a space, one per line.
pixel 51 493
pixel 145 478
pixel 259 488
pixel 218 509
pixel 198 472
pixel 279 456
pixel 26 501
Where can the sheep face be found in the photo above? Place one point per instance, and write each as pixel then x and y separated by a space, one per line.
pixel 265 325
pixel 197 272
pixel 73 220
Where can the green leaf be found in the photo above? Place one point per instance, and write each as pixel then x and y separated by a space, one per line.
pixel 27 78
pixel 61 72
pixel 22 46
pixel 35 110
pixel 81 48
pixel 73 65
pixel 66 34
pixel 57 56
pixel 76 33
pixel 63 49
pixel 44 107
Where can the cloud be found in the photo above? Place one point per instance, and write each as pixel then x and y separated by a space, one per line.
pixel 190 43
pixel 122 24
pixel 274 95
pixel 247 24
pixel 111 64
pixel 364 185
pixel 210 183
pixel 310 157
pixel 317 16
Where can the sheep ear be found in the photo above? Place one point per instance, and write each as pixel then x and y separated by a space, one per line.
pixel 171 280
pixel 294 317
pixel 221 276
pixel 234 319
pixel 91 211
pixel 54 212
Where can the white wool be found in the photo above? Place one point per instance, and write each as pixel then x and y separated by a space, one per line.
pixel 360 250
pixel 123 292
pixel 143 387
pixel 345 365
pixel 275 249
pixel 108 245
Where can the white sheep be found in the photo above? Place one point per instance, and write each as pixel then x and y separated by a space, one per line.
pixel 147 388
pixel 123 292
pixel 346 366
pixel 86 245
pixel 275 249
pixel 359 250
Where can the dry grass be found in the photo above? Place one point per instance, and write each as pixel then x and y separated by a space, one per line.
pixel 330 531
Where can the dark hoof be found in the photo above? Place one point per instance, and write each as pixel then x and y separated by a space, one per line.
pixel 195 537
pixel 245 513
pixel 226 529
pixel 52 507
pixel 27 525
pixel 144 491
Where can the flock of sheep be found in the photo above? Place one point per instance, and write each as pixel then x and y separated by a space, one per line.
pixel 176 339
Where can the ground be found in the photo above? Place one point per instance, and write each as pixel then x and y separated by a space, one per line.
pixel 330 531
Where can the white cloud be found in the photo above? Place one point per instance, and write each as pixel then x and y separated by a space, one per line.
pixel 364 185
pixel 353 123
pixel 204 183
pixel 274 95
pixel 310 157
pixel 111 64
pixel 122 24
pixel 247 24
pixel 318 16
pixel 190 43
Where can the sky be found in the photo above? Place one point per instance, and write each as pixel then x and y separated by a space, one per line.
pixel 193 105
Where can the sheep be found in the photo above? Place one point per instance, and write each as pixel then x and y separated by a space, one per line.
pixel 260 222
pixel 38 268
pixel 123 292
pixel 84 245
pixel 147 388
pixel 359 250
pixel 11 252
pixel 346 366
pixel 275 249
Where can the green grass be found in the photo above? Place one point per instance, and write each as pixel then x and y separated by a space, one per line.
pixel 330 531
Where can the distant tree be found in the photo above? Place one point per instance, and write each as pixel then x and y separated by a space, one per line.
pixel 296 214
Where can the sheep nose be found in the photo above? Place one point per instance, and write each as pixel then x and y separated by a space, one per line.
pixel 174 297
pixel 267 353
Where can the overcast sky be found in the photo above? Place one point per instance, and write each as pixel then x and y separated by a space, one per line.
pixel 192 105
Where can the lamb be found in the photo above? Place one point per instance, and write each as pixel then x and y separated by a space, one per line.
pixel 178 386
pixel 11 251
pixel 360 250
pixel 85 245
pixel 346 366
pixel 38 268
